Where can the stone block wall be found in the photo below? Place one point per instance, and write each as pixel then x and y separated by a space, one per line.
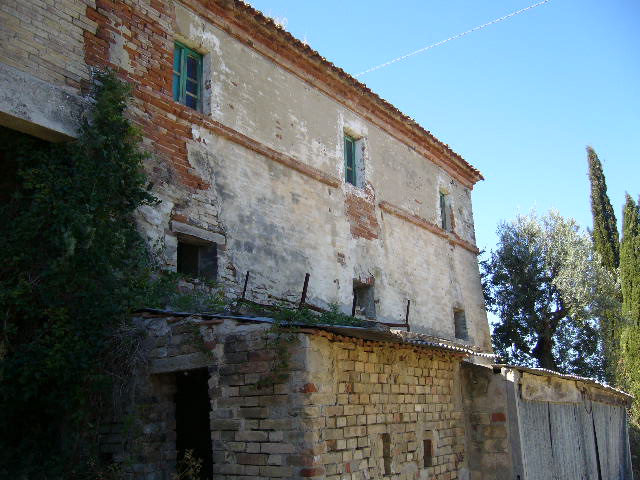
pixel 487 416
pixel 345 408
pixel 45 38
pixel 367 391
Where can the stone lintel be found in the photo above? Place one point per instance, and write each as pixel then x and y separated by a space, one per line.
pixel 197 234
pixel 36 107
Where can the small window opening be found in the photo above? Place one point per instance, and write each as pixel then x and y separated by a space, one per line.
pixel 427 445
pixel 198 260
pixel 460 324
pixel 187 76
pixel 193 407
pixel 386 453
pixel 350 173
pixel 363 300
pixel 445 212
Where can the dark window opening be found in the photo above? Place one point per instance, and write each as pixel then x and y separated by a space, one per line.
pixel 460 324
pixel 193 427
pixel 445 217
pixel 427 445
pixel 198 260
pixel 363 300
pixel 386 452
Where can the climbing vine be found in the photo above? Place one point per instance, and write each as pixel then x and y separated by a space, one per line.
pixel 72 269
pixel 72 265
pixel 282 334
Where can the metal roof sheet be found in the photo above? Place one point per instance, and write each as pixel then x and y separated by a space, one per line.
pixel 567 376
pixel 376 332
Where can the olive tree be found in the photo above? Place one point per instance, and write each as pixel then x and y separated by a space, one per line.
pixel 549 291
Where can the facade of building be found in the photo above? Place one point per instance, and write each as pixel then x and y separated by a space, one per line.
pixel 265 151
pixel 276 169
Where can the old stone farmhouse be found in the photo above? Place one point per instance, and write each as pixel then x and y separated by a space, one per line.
pixel 286 180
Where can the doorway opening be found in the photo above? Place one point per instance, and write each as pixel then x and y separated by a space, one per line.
pixel 193 407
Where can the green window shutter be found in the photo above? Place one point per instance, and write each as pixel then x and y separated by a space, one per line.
pixel 177 71
pixel 350 159
pixel 443 211
pixel 187 76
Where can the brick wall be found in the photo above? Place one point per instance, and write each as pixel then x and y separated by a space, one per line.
pixel 367 389
pixel 487 428
pixel 360 209
pixel 136 40
pixel 45 38
pixel 324 419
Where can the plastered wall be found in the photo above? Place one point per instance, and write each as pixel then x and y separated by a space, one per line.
pixel 262 165
pixel 280 224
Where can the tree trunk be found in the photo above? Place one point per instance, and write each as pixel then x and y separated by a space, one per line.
pixel 543 351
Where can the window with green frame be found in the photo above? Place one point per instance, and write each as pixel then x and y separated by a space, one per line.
pixel 187 76
pixel 350 159
pixel 445 220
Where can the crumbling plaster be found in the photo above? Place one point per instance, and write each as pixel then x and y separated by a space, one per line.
pixel 280 224
pixel 278 221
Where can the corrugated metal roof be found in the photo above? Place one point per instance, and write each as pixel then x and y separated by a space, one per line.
pixel 376 332
pixel 552 373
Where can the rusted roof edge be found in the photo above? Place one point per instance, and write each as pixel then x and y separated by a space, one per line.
pixel 551 373
pixel 380 333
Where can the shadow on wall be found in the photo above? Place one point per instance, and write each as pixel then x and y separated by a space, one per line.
pixel 634 441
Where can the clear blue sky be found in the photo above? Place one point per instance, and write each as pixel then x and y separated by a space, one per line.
pixel 519 100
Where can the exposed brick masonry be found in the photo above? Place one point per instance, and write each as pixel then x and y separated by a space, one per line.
pixel 45 39
pixel 324 419
pixel 361 213
pixel 374 388
pixel 148 35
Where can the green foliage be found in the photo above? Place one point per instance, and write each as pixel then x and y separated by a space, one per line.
pixel 304 316
pixel 189 467
pixel 174 291
pixel 605 227
pixel 629 358
pixel 630 363
pixel 630 262
pixel 283 334
pixel 606 244
pixel 548 290
pixel 72 265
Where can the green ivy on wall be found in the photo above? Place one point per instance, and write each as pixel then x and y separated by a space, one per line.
pixel 72 265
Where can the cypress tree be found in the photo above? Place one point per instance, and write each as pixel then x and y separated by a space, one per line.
pixel 606 243
pixel 630 262
pixel 629 365
pixel 605 229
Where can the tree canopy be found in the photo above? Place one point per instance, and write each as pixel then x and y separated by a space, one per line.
pixel 548 293
pixel 607 244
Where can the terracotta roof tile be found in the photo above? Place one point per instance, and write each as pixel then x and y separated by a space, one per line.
pixel 311 53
